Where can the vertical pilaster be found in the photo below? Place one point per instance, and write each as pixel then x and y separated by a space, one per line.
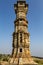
pixel 23 39
pixel 18 39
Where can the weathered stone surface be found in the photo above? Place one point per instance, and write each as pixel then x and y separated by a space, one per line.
pixel 21 38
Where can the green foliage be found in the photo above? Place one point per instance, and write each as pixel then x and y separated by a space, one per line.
pixel 39 61
pixel 4 57
pixel 0 56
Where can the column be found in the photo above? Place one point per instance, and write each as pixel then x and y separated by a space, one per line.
pixel 23 39
pixel 19 39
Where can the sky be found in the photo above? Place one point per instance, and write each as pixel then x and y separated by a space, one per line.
pixel 35 26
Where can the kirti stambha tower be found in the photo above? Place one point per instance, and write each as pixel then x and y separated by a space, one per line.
pixel 21 37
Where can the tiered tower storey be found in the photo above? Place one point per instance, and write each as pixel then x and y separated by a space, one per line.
pixel 21 37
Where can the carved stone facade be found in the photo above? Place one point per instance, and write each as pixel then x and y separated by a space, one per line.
pixel 21 37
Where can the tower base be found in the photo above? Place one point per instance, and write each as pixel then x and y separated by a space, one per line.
pixel 22 61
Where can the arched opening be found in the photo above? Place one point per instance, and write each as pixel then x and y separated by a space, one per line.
pixel 20 49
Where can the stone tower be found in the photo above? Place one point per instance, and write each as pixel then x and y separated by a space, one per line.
pixel 21 37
